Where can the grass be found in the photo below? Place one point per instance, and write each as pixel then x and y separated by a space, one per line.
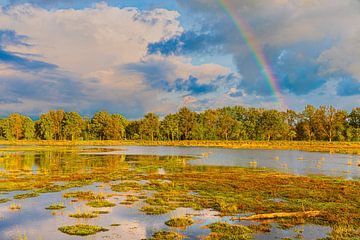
pixel 82 230
pixel 26 195
pixel 130 199
pixel 165 235
pixel 318 146
pixel 15 206
pixel 115 224
pixel 263 227
pixel 56 206
pixel 154 210
pixel 126 187
pixel 226 231
pixel 181 222
pixel 88 195
pixel 229 190
pixel 4 200
pixel 100 204
pixel 83 215
pixel 100 212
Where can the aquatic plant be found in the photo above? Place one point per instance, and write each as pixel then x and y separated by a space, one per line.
pixel 26 195
pixel 154 210
pixel 100 203
pixel 15 206
pixel 165 235
pixel 83 215
pixel 82 230
pixel 221 230
pixel 179 222
pixel 56 206
pixel 130 199
pixel 88 195
pixel 115 224
pixel 100 212
pixel 126 186
pixel 4 200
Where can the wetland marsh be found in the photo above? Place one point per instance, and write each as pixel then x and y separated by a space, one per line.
pixel 139 192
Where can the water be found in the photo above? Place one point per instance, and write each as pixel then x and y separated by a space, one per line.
pixel 288 161
pixel 38 223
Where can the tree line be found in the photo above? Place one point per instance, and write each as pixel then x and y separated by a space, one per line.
pixel 228 123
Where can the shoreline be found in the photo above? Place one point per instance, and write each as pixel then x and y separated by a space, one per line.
pixel 310 146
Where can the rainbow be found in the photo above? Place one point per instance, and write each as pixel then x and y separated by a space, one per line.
pixel 255 49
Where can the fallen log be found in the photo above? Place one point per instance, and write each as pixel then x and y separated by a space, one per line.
pixel 305 214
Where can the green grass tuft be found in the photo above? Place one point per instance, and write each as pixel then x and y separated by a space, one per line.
pixel 100 203
pixel 179 222
pixel 82 230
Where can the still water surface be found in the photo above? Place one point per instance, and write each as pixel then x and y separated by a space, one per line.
pixel 36 223
pixel 288 161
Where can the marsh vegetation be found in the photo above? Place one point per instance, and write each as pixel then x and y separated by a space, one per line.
pixel 117 195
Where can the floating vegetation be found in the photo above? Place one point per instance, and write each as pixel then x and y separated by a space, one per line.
pixel 181 222
pixel 263 227
pixel 100 203
pixel 15 206
pixel 229 190
pixel 154 210
pixel 115 224
pixel 100 212
pixel 26 195
pixel 56 206
pixel 126 187
pixel 83 215
pixel 82 230
pixel 83 195
pixel 221 230
pixel 4 200
pixel 130 199
pixel 165 235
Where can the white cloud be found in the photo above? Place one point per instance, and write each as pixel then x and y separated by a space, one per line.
pixel 92 45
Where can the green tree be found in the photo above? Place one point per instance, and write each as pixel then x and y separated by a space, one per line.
pixel 16 126
pixel 150 126
pixel 225 125
pixel 115 129
pixel 187 120
pixel 169 127
pixel 72 125
pixel 271 124
pixel 28 128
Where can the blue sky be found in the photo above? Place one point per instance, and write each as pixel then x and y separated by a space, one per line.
pixel 134 57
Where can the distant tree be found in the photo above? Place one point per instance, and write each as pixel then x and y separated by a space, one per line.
pixel 306 127
pixel 72 125
pixel 210 119
pixel 354 118
pixel 16 126
pixel 133 130
pixel 28 128
pixel 150 126
pixel 115 129
pixel 271 124
pixel 187 120
pixel 225 125
pixel 169 127
pixel 99 124
pixel 49 125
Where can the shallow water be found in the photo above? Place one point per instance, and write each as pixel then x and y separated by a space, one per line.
pixel 38 223
pixel 288 161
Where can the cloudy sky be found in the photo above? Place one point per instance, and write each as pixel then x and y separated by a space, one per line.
pixel 134 57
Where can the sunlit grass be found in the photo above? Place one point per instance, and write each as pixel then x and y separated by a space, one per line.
pixel 57 206
pixel 181 222
pixel 82 230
